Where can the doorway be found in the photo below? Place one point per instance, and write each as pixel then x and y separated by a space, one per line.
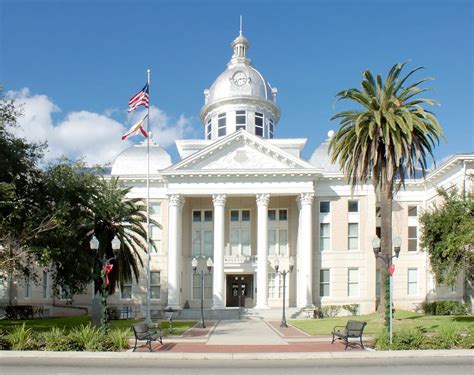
pixel 239 290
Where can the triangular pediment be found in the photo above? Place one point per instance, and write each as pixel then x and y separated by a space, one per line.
pixel 240 151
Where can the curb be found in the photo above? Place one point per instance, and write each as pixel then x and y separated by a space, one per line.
pixel 38 355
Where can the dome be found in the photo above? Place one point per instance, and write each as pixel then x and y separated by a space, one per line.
pixel 321 158
pixel 133 160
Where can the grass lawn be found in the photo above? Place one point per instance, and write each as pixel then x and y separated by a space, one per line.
pixel 402 319
pixel 68 323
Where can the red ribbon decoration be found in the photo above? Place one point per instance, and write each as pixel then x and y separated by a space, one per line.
pixel 107 269
pixel 391 269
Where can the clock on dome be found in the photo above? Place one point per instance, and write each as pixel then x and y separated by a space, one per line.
pixel 239 78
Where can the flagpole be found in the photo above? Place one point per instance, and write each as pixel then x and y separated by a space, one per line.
pixel 148 275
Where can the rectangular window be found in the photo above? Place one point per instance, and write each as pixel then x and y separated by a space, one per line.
pixel 353 282
pixel 65 293
pixel 207 216
pixel 197 243
pixel 272 215
pixel 412 238
pixel 324 207
pixel 208 243
pixel 271 129
pixel 259 124
pixel 27 287
pixel 412 281
pixel 324 236
pixel 234 215
pixel 221 125
pixel 197 286
pixel 45 285
pixel 353 236
pixel 234 242
pixel 126 291
pixel 155 284
pixel 240 120
pixel 196 216
pixel 156 237
pixel 324 280
pixel 412 211
pixel 283 215
pixel 155 209
pixel 353 206
pixel 245 215
pixel 245 240
pixel 283 242
pixel 208 129
pixel 271 285
pixel 272 241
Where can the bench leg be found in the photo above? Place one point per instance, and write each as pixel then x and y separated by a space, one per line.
pixel 332 342
pixel 362 345
pixel 136 341
pixel 347 344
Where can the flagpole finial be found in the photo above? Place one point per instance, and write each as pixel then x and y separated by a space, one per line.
pixel 240 31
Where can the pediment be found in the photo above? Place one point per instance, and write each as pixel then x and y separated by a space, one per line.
pixel 241 151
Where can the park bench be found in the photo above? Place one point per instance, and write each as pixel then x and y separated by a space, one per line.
pixel 352 329
pixel 143 332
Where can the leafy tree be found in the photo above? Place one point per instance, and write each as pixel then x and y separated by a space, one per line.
pixel 448 236
pixel 386 139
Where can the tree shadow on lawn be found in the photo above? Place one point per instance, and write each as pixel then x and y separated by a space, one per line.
pixel 467 319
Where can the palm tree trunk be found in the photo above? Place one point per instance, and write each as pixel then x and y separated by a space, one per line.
pixel 386 197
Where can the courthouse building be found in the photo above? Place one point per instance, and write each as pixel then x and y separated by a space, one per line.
pixel 248 200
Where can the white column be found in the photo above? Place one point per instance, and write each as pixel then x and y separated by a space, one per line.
pixel 175 208
pixel 262 251
pixel 219 235
pixel 305 250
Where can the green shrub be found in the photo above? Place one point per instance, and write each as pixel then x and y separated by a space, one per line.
pixel 407 339
pixel 56 340
pixel 19 312
pixel 113 313
pixel 116 340
pixel 353 308
pixel 445 308
pixel 330 311
pixel 447 337
pixel 22 338
pixel 86 338
pixel 4 342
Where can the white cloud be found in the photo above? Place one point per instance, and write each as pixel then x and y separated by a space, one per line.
pixel 92 136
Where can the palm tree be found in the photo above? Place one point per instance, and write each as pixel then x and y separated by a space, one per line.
pixel 386 140
pixel 114 214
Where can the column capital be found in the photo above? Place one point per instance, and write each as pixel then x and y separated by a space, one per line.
pixel 176 200
pixel 263 199
pixel 219 199
pixel 305 199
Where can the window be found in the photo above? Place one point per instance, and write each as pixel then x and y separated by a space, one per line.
pixel 197 286
pixel 353 237
pixel 412 238
pixel 196 216
pixel 353 282
pixel 155 285
pixel 378 232
pixel 239 233
pixel 278 242
pixel 324 282
pixel 271 285
pixel 27 287
pixel 412 211
pixel 207 216
pixel 203 243
pixel 234 215
pixel 65 293
pixel 324 207
pixel 324 236
pixel 259 124
pixel 412 281
pixel 209 129
pixel 353 206
pixel 283 215
pixel 240 120
pixel 155 209
pixel 272 215
pixel 245 215
pixel 452 288
pixel 45 285
pixel 156 236
pixel 126 290
pixel 271 128
pixel 221 125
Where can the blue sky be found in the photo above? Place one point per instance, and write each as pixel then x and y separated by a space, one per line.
pixel 74 64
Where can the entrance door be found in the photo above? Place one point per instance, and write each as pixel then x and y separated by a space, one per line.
pixel 239 287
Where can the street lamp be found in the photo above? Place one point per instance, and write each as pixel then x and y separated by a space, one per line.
pixel 284 272
pixel 209 264
pixel 387 259
pixel 104 274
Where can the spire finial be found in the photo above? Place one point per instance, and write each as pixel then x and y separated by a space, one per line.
pixel 240 31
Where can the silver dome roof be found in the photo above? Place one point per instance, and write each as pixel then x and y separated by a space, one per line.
pixel 133 160
pixel 321 158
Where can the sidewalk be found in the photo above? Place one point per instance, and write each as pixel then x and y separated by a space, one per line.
pixel 247 336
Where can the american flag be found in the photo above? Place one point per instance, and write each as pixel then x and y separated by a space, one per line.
pixel 140 98
pixel 137 128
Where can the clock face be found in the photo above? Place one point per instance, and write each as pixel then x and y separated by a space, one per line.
pixel 239 78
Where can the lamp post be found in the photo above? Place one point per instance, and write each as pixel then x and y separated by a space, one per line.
pixel 387 259
pixel 284 272
pixel 209 264
pixel 106 268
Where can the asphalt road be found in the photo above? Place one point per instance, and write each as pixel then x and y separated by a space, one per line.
pixel 400 366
